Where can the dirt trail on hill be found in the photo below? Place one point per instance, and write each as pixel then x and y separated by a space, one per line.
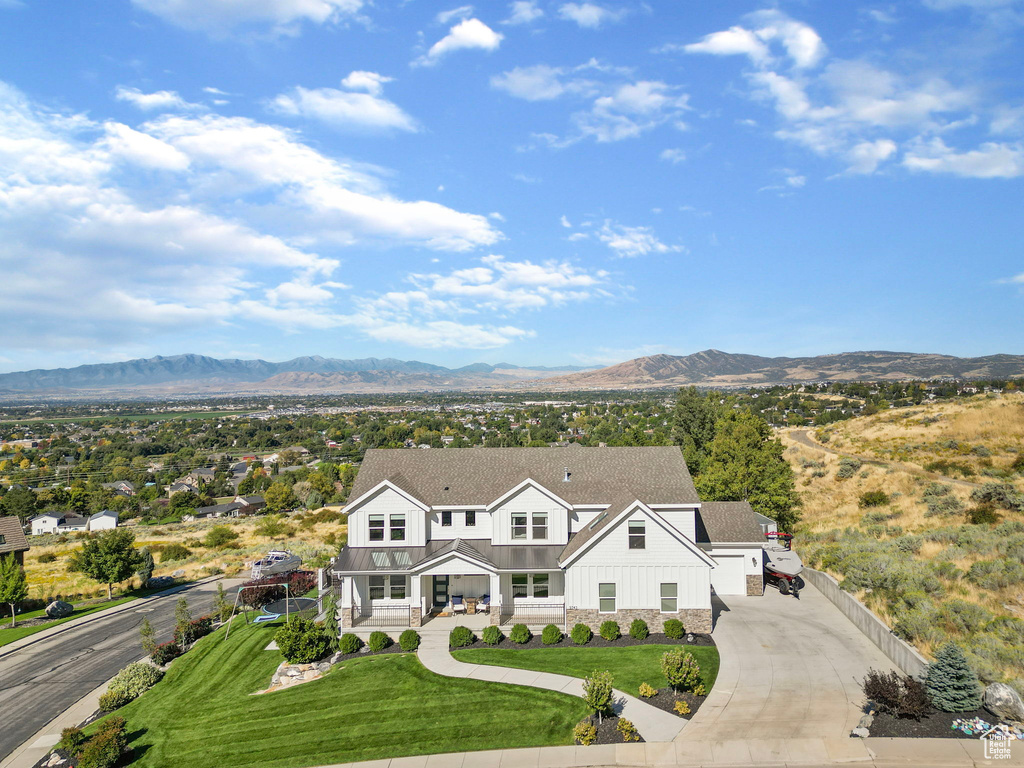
pixel 803 437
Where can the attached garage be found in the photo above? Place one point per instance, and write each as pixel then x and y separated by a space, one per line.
pixel 728 576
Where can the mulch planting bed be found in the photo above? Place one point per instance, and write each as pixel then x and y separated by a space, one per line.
pixel 608 732
pixel 666 699
pixel 935 725
pixel 596 642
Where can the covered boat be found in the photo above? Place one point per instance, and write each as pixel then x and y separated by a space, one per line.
pixel 276 562
pixel 782 566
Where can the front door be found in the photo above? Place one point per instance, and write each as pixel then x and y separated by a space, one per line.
pixel 440 591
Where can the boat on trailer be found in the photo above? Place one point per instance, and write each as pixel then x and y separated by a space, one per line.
pixel 276 562
pixel 782 566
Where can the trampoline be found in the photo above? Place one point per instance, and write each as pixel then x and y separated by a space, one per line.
pixel 290 605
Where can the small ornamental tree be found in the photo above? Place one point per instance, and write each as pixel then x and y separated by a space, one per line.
pixel 680 669
pixel 598 693
pixel 109 558
pixel 13 588
pixel 148 636
pixel 182 618
pixel 951 684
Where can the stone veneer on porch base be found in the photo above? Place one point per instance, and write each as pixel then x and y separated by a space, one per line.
pixel 755 585
pixel 696 620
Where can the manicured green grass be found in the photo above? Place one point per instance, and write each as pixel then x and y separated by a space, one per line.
pixel 629 666
pixel 202 716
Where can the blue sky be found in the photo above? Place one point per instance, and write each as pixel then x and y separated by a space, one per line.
pixel 532 182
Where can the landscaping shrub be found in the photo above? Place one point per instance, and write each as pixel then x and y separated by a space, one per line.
pixel 130 683
pixel 847 468
pixel 47 557
pixel 378 641
pixel 461 637
pixel 638 629
pixel 681 707
pixel 193 630
pixel 627 729
pixel 585 733
pixel 492 635
pixel 873 499
pixel 896 694
pixel 166 653
pixel 598 693
pixel 71 740
pixel 680 669
pixel 220 536
pixel 674 629
pixel 520 634
pixel 551 635
pixel 302 641
pixel 104 750
pixel 951 684
pixel 581 634
pixel 350 643
pixel 647 691
pixel 610 630
pixel 409 640
pixel 269 588
pixel 172 552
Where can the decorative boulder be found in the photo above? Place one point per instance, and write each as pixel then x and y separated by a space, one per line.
pixel 1002 701
pixel 58 609
pixel 178 574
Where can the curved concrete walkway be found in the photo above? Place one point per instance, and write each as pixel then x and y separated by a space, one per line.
pixel 653 724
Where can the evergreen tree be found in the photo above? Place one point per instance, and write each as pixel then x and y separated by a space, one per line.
pixel 182 618
pixel 951 684
pixel 109 558
pixel 693 426
pixel 745 463
pixel 148 636
pixel 146 567
pixel 13 588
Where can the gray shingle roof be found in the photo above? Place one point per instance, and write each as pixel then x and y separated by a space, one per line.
pixel 727 522
pixel 13 535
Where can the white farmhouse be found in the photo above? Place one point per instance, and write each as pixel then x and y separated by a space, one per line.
pixel 541 535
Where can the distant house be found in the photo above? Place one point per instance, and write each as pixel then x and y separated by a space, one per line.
pixel 230 509
pixel 12 538
pixel 121 487
pixel 250 504
pixel 199 477
pixel 103 521
pixel 180 487
pixel 296 449
pixel 58 522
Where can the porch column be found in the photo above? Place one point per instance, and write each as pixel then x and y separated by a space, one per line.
pixel 495 612
pixel 415 600
pixel 347 583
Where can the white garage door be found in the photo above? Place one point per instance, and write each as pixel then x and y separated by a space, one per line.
pixel 727 576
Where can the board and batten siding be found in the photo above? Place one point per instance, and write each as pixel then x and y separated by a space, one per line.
pixel 458 529
pixel 638 573
pixel 387 502
pixel 528 501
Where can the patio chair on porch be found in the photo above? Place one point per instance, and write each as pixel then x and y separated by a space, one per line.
pixel 484 604
pixel 458 604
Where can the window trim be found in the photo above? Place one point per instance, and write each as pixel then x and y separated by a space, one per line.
pixel 382 528
pixel 545 519
pixel 394 529
pixel 673 597
pixel 446 519
pixel 525 526
pixel 602 598
pixel 471 519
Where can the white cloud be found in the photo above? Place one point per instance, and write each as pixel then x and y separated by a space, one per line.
pixel 588 15
pixel 159 101
pixel 523 12
pixel 674 156
pixel 468 34
pixel 866 156
pixel 564 221
pixel 142 149
pixel 371 82
pixel 730 42
pixel 989 161
pixel 631 110
pixel 630 242
pixel 539 82
pixel 280 17
pixel 801 44
pixel 345 109
pixel 462 12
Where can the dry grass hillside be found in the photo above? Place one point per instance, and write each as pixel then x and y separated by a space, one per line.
pixel 309 535
pixel 918 541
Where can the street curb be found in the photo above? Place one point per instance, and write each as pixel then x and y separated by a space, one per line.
pixel 17 645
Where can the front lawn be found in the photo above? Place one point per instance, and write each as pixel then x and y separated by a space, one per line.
pixel 202 716
pixel 629 665
pixel 9 634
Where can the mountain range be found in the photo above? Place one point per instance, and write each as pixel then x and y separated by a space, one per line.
pixel 201 375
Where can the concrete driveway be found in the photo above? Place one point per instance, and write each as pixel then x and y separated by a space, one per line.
pixel 791 669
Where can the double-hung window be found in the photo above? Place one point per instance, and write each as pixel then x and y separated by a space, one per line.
pixel 397 584
pixel 446 519
pixel 637 534
pixel 519 525
pixel 540 525
pixel 520 585
pixel 397 527
pixel 378 587
pixel 606 598
pixel 530 584
pixel 669 597
pixel 470 519
pixel 390 586
pixel 376 527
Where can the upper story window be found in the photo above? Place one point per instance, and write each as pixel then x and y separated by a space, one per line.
pixel 470 519
pixel 398 527
pixel 376 527
pixel 446 519
pixel 540 525
pixel 519 525
pixel 637 534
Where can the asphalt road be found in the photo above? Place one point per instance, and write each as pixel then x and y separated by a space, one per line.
pixel 40 681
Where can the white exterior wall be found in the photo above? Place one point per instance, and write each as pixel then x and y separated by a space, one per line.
pixel 104 523
pixel 581 518
pixel 638 573
pixel 387 502
pixel 683 518
pixel 530 500
pixel 44 525
pixel 458 529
